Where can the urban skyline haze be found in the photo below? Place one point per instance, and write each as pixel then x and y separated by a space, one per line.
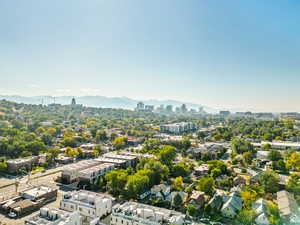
pixel 221 54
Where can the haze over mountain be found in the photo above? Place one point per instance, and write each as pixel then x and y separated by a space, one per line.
pixel 101 101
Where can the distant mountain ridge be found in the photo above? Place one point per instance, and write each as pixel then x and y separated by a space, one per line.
pixel 101 101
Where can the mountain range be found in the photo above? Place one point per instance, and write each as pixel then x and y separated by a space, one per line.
pixel 101 101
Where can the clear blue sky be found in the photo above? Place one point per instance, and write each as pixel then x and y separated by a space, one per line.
pixel 220 53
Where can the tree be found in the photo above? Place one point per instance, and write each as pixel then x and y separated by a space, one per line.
pixel 101 136
pixel 167 154
pixel 135 185
pixel 245 217
pixel 293 161
pixel 36 147
pixel 274 214
pixel 53 153
pixel 191 210
pixel 120 142
pixel 70 142
pixel 249 197
pixel 116 181
pixel 206 185
pixel 215 172
pixel 176 201
pixel 293 184
pixel 71 152
pixel 217 164
pixel 159 171
pixel 178 184
pixel 180 169
pixel 47 138
pixel 240 146
pixel 3 167
pixel 270 181
pixel 247 157
pixel 274 155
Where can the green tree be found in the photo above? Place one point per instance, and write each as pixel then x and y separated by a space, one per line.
pixel 176 201
pixel 178 184
pixel 293 161
pixel 101 136
pixel 180 169
pixel 274 155
pixel 120 142
pixel 159 171
pixel 136 185
pixel 167 154
pixel 270 181
pixel 116 181
pixel 36 147
pixel 245 217
pixel 206 184
pixel 293 184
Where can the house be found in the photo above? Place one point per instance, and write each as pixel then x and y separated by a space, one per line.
pixel 239 180
pixel 197 198
pixel 182 194
pixel 254 175
pixel 201 170
pixel 52 216
pixel 232 205
pixel 261 210
pixel 133 213
pixel 161 191
pixel 64 159
pixel 91 205
pixel 216 202
pixel 288 207
pixel 134 141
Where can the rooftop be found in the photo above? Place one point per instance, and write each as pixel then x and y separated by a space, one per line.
pixel 86 198
pixel 96 168
pixel 146 214
pixel 50 216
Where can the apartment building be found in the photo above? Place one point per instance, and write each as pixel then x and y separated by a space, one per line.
pixel 70 173
pixel 178 128
pixel 52 216
pixel 132 213
pixel 90 175
pixel 131 160
pixel 90 205
pixel 15 165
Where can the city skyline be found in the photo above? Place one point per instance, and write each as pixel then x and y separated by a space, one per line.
pixel 223 55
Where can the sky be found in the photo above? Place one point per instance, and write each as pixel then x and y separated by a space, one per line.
pixel 226 54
